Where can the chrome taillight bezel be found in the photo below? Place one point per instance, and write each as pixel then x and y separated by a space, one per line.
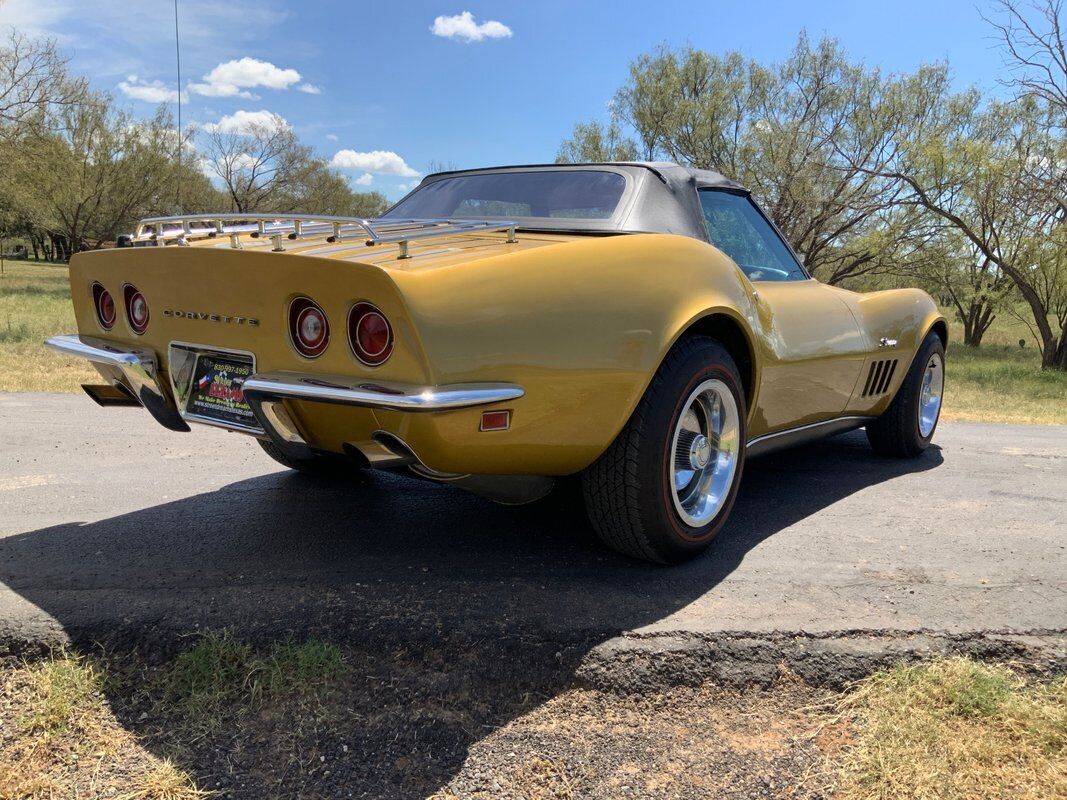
pixel 299 307
pixel 99 293
pixel 129 294
pixel 358 314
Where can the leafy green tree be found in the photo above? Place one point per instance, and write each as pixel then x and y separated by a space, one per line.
pixel 594 142
pixel 265 168
pixel 995 173
pixel 792 132
pixel 89 171
pixel 949 267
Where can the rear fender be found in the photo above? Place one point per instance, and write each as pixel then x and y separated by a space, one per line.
pixel 582 328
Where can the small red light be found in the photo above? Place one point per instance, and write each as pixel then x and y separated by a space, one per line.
pixel 136 308
pixel 105 306
pixel 495 421
pixel 309 329
pixel 369 334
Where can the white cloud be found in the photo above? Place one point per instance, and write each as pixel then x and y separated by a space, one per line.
pixel 234 78
pixel 309 88
pixel 332 137
pixel 463 27
pixel 407 187
pixel 366 179
pixel 246 121
pixel 379 162
pixel 111 38
pixel 32 17
pixel 149 92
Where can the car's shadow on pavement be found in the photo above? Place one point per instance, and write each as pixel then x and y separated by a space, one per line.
pixel 457 614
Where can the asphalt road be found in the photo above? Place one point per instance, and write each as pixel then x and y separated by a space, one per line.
pixel 111 527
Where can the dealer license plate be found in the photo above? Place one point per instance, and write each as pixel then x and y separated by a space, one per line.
pixel 216 394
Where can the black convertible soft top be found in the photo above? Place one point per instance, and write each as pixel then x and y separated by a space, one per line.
pixel 660 197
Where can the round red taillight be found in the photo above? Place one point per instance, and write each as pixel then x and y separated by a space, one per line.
pixel 308 327
pixel 136 309
pixel 105 306
pixel 370 334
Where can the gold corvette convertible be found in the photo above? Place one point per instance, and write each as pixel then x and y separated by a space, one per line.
pixel 644 325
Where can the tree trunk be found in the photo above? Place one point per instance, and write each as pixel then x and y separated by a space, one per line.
pixel 1054 355
pixel 976 322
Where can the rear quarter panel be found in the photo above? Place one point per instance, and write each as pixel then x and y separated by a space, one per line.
pixel 582 328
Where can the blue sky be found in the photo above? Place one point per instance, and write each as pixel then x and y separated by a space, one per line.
pixel 375 83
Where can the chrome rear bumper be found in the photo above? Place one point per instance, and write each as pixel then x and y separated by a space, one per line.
pixel 137 369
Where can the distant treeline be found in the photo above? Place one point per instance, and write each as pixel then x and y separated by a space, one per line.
pixel 877 179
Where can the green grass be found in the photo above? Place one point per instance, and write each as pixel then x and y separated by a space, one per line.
pixel 998 382
pixel 954 729
pixel 35 304
pixel 220 672
pixel 64 691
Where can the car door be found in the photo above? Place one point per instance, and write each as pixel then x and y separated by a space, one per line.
pixel 813 348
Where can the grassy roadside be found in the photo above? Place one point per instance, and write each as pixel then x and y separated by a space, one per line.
pixel 289 720
pixel 998 382
pixel 35 304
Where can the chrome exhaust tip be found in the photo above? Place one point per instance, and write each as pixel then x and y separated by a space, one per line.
pixel 110 395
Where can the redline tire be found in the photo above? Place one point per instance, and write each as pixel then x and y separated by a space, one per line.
pixel 630 493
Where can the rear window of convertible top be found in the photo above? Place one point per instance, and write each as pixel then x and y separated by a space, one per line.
pixel 566 194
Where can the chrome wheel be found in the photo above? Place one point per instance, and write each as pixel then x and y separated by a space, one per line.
pixel 705 450
pixel 930 394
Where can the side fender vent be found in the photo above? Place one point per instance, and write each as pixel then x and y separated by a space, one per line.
pixel 879 377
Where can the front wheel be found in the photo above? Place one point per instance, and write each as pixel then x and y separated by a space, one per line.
pixel 906 427
pixel 665 486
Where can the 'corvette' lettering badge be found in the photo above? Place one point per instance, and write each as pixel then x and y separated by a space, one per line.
pixel 233 319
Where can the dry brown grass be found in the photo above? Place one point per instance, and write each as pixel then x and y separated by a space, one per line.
pixel 59 739
pixel 244 717
pixel 954 730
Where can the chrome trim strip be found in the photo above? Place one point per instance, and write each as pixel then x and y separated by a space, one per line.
pixel 377 394
pixel 135 368
pixel 779 440
pixel 263 391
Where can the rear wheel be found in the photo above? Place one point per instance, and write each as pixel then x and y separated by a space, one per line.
pixel 665 486
pixel 906 427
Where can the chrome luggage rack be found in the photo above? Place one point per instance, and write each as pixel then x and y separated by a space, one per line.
pixel 183 228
